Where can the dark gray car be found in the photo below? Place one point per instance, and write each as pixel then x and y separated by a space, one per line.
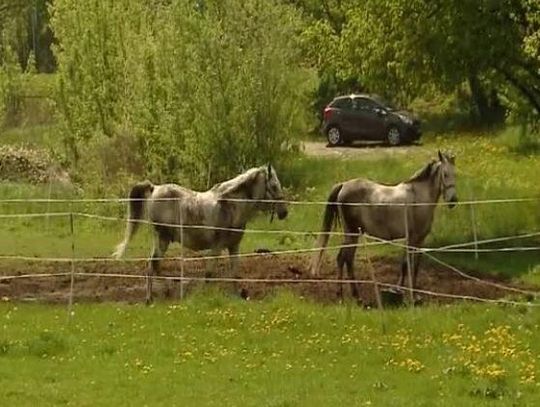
pixel 368 117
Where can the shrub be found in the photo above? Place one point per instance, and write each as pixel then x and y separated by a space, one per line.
pixel 18 163
pixel 203 89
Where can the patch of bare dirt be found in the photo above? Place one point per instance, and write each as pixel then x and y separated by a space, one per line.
pixel 100 288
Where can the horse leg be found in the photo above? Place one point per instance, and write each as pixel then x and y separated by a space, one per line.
pixel 350 271
pixel 403 275
pixel 159 251
pixel 417 258
pixel 233 269
pixel 349 253
pixel 233 257
pixel 211 265
pixel 161 244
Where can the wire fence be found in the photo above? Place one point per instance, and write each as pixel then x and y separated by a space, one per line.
pixel 369 241
pixel 273 201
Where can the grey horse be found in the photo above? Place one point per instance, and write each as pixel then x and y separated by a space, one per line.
pixel 387 221
pixel 202 220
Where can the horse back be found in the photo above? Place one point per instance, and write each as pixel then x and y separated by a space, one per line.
pixel 372 216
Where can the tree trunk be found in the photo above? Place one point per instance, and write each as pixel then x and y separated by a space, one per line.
pixel 530 93
pixel 490 110
pixel 480 98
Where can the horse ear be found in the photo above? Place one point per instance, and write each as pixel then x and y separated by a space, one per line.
pixel 269 170
pixel 441 156
pixel 452 159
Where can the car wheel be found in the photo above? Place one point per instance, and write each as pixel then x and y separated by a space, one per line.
pixel 334 136
pixel 393 137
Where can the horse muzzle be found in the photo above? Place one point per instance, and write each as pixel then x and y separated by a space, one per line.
pixel 282 214
pixel 452 202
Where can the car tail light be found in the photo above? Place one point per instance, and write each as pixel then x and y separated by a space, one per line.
pixel 327 113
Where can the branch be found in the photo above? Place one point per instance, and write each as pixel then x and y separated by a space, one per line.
pixel 530 94
pixel 529 68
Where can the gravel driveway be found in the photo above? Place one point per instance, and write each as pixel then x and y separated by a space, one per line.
pixel 367 151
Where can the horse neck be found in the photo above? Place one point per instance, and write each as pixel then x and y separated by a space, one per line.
pixel 429 189
pixel 243 187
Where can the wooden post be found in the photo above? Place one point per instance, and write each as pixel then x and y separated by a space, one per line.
pixel 407 254
pixel 475 232
pixel 472 212
pixel 72 282
pixel 48 205
pixel 149 270
pixel 181 251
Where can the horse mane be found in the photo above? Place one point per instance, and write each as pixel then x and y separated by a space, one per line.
pixel 424 173
pixel 234 185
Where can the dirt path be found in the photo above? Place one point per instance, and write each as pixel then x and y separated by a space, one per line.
pixel 94 288
pixel 371 151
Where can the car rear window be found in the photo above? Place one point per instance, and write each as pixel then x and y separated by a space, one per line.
pixel 343 103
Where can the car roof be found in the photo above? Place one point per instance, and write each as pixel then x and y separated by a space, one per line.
pixel 355 95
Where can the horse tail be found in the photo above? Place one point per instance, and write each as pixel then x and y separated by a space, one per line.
pixel 137 196
pixel 331 217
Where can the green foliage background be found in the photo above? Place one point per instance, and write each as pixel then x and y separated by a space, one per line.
pixel 182 91
pixel 195 91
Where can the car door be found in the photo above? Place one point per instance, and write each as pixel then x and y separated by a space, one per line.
pixel 345 115
pixel 368 118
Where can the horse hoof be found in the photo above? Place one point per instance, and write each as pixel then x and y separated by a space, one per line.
pixel 244 294
pixel 392 298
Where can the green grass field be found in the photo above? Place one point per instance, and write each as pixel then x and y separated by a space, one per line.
pixel 212 349
pixel 215 350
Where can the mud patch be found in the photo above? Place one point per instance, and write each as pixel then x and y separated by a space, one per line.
pixel 95 288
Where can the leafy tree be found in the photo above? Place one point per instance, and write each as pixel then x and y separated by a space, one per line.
pixel 25 27
pixel 201 90
pixel 321 43
pixel 404 46
pixel 11 79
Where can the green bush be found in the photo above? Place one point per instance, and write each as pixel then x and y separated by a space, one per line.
pixel 203 92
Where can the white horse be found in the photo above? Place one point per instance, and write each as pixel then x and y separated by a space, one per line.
pixel 384 214
pixel 180 215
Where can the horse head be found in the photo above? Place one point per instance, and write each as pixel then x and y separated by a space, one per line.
pixel 447 176
pixel 274 192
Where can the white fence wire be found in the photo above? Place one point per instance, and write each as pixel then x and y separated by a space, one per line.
pixel 274 201
pixel 454 248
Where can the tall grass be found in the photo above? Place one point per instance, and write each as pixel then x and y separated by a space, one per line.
pixel 523 140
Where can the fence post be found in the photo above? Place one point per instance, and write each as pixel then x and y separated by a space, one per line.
pixel 72 282
pixel 407 254
pixel 48 205
pixel 181 251
pixel 149 270
pixel 475 232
